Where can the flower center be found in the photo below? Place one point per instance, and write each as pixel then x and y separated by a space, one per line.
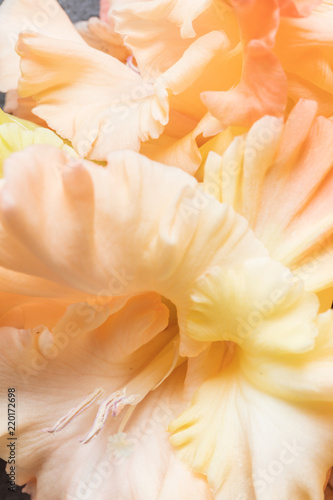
pixel 135 391
pixel 131 63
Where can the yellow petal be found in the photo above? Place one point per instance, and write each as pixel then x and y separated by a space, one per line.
pixel 21 108
pixel 7 118
pixel 259 305
pixel 249 443
pixel 16 135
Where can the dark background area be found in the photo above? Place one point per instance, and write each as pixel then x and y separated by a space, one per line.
pixel 78 10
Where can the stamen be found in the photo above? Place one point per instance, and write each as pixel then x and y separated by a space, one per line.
pixel 114 403
pixel 146 381
pixel 75 412
pixel 131 63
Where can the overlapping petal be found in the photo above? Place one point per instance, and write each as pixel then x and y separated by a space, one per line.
pixel 47 387
pixel 250 443
pixel 164 207
pixel 304 48
pixel 279 179
pixel 267 382
pixel 16 135
pixel 100 35
pixel 21 15
pixel 109 275
pixel 128 110
pixel 153 37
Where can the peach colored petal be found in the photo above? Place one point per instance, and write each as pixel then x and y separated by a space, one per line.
pixel 263 86
pixel 100 35
pixel 153 34
pixel 304 49
pixel 128 109
pixel 153 202
pixel 185 72
pixel 61 374
pixel 22 108
pixel 263 90
pixel 104 7
pixel 140 23
pixel 190 101
pixel 20 15
pixel 20 283
pixel 183 153
pixel 299 88
pixel 269 177
pixel 297 8
pixel 249 12
pixel 181 13
pixel 184 12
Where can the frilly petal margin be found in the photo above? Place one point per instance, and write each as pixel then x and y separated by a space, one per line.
pixel 121 207
pixel 267 447
pixel 269 383
pixel 268 176
pixel 128 109
pixel 52 373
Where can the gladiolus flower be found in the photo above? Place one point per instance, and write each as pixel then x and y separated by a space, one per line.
pixel 132 288
pixel 197 70
pixel 167 336
pixel 279 177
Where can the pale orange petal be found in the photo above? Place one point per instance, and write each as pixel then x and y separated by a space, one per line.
pixel 281 181
pixel 21 15
pixel 148 199
pixel 297 8
pixel 127 109
pixel 263 90
pixel 58 370
pixel 304 49
pixel 22 108
pixel 104 7
pixel 101 35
